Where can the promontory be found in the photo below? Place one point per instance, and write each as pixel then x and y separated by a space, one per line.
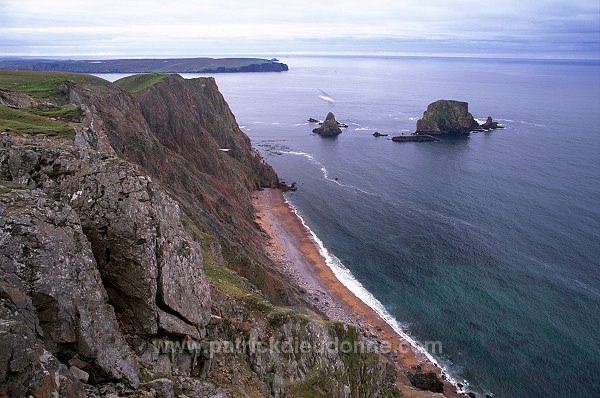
pixel 169 65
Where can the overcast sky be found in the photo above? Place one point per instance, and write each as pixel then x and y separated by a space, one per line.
pixel 123 28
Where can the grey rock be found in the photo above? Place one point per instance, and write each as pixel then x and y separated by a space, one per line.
pixel 172 325
pixel 145 256
pixel 163 388
pixel 42 246
pixel 79 374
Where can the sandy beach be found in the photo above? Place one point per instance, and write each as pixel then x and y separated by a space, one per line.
pixel 292 248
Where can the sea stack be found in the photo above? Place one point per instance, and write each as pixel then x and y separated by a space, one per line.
pixel 329 127
pixel 446 116
pixel 490 124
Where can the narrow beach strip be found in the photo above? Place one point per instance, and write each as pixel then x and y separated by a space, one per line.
pixel 294 250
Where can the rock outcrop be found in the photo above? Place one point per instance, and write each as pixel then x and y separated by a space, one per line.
pixel 490 124
pixel 446 116
pixel 329 127
pixel 378 134
pixel 426 381
pixel 51 281
pixel 150 263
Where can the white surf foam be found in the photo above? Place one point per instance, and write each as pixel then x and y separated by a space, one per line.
pixel 325 172
pixel 522 122
pixel 344 275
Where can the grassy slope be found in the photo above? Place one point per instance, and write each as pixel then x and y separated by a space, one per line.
pixel 33 121
pixel 137 83
pixel 44 85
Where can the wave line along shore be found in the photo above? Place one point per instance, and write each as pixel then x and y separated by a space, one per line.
pixel 296 250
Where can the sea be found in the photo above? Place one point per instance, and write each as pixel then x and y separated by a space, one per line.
pixel 486 243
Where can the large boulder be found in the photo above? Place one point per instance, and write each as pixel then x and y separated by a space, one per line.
pixel 446 116
pixel 426 381
pixel 329 127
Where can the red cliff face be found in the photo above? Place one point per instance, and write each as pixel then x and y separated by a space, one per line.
pixel 177 130
pixel 184 134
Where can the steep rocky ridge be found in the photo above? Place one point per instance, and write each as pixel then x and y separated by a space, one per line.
pixel 180 126
pixel 117 253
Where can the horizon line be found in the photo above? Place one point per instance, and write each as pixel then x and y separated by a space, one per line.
pixel 117 56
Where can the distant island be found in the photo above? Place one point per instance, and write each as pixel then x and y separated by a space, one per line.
pixel 173 65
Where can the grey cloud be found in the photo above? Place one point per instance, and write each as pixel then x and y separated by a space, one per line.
pixel 196 28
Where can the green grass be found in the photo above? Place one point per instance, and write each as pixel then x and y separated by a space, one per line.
pixel 34 121
pixel 65 113
pixel 136 83
pixel 45 85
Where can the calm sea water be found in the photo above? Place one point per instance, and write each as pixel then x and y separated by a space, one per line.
pixel 489 242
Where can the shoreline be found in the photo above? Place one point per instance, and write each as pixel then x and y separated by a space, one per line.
pixel 297 255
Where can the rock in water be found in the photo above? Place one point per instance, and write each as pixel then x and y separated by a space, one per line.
pixel 329 127
pixel 414 138
pixel 490 124
pixel 446 116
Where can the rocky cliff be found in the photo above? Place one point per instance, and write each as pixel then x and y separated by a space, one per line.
pixel 130 263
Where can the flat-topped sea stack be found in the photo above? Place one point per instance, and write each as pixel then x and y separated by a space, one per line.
pixel 329 127
pixel 446 116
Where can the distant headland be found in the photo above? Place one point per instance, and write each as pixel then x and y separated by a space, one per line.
pixel 173 65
